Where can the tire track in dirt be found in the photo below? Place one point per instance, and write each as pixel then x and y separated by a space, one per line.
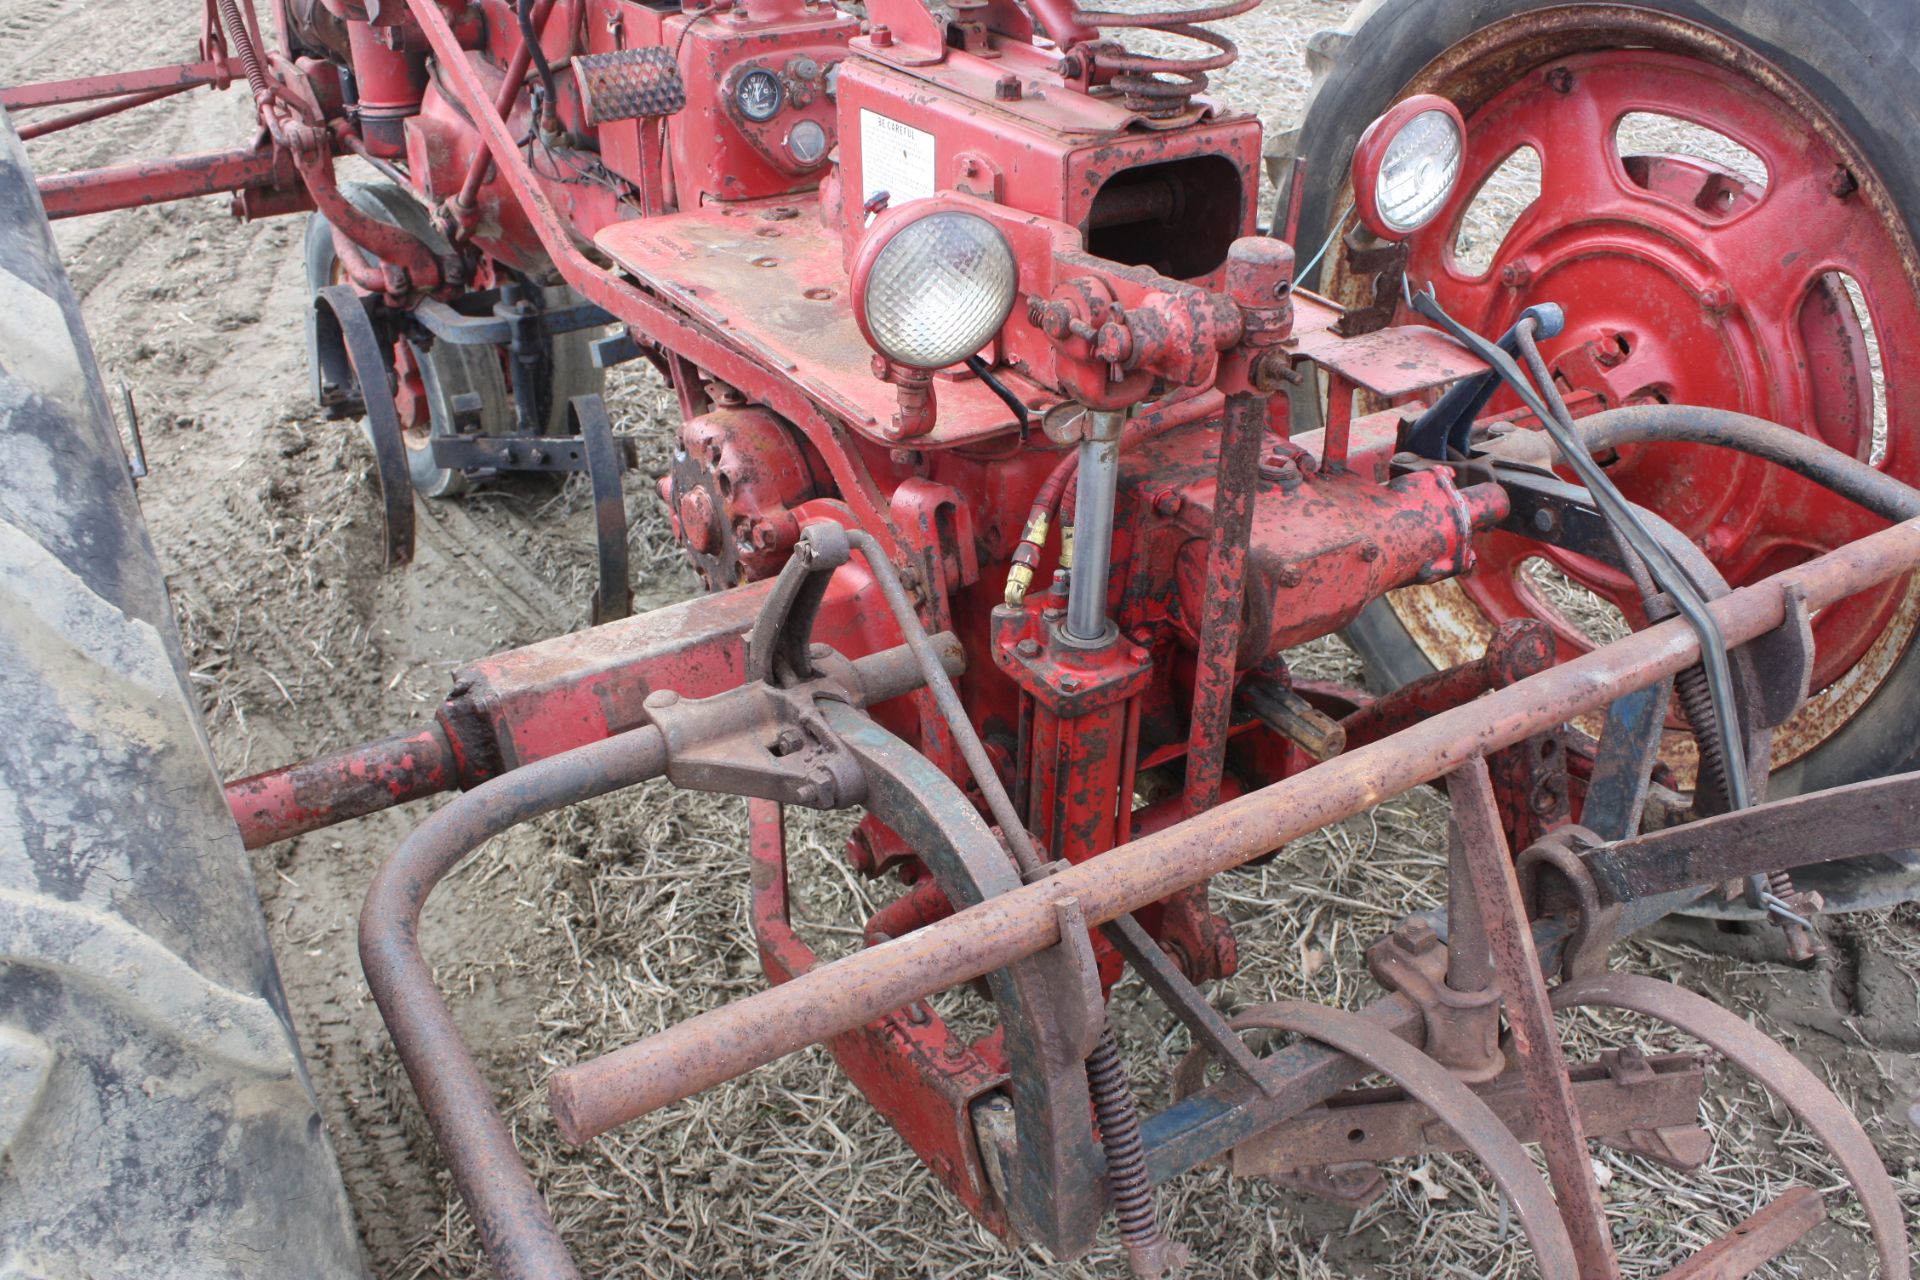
pixel 482 555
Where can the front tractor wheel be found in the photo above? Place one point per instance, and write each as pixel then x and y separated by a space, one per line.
pixel 1722 195
pixel 444 388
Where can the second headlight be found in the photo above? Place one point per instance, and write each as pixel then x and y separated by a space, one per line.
pixel 1406 165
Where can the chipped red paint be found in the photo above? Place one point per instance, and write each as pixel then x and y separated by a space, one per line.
pixel 146 182
pixel 282 803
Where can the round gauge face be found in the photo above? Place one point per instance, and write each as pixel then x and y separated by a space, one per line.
pixel 759 95
pixel 807 143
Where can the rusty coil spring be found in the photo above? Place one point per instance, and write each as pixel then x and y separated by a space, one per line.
pixel 1125 1150
pixel 1139 77
pixel 1696 700
pixel 242 36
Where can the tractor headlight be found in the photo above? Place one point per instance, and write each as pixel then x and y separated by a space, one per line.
pixel 1407 165
pixel 933 289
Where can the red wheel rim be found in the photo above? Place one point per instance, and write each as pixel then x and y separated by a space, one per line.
pixel 1684 282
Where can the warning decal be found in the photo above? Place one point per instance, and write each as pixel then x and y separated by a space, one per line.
pixel 895 158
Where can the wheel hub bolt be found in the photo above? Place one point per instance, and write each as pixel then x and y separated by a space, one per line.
pixel 696 519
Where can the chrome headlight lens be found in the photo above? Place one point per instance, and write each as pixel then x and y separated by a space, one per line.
pixel 938 290
pixel 1417 175
pixel 1407 165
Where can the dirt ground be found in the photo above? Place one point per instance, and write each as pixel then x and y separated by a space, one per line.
pixel 580 933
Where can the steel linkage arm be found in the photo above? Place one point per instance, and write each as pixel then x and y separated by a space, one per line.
pixel 146 182
pixel 514 708
pixel 1857 820
pixel 116 84
pixel 595 1096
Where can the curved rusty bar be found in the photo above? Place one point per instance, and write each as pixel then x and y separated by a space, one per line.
pixel 514 1224
pixel 1768 1062
pixel 1449 1099
pixel 593 1097
pixel 508 1210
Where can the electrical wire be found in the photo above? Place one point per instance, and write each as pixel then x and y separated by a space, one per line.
pixel 1339 226
pixel 523 15
pixel 1021 414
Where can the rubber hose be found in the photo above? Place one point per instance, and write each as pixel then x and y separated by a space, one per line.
pixel 1819 462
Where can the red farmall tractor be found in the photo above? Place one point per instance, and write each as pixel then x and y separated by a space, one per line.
pixel 1021 443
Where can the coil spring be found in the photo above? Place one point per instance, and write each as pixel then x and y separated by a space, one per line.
pixel 1125 1150
pixel 241 35
pixel 1696 700
pixel 1139 77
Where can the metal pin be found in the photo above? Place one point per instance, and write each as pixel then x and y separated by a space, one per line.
pixel 1780 908
pixel 137 450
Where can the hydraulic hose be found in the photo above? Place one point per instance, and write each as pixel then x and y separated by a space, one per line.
pixel 1547 406
pixel 1801 454
pixel 1060 491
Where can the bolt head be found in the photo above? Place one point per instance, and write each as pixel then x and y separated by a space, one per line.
pixel 1028 648
pixel 1167 503
pixel 1560 80
pixel 696 519
pixel 1417 936
pixel 661 698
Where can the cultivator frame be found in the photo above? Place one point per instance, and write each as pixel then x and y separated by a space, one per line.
pixel 1523 935
pixel 997 735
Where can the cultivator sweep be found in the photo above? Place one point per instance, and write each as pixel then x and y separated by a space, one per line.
pixel 1016 458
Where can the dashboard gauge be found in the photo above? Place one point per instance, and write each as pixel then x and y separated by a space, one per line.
pixel 807 143
pixel 759 95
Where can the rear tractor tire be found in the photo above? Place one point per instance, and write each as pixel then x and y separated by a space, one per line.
pixel 1724 195
pixel 155 1115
